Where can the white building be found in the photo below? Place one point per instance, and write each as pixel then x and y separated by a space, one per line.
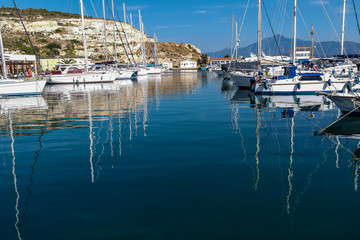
pixel 167 65
pixel 188 64
pixel 302 53
pixel 219 61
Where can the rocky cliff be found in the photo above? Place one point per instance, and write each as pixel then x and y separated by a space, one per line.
pixel 59 35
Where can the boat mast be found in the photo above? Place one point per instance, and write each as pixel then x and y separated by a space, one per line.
pixel 155 48
pixel 259 32
pixel 3 58
pixel 232 34
pixel 236 40
pixel 113 15
pixel 142 39
pixel 124 20
pixel 84 35
pixel 294 46
pixel 132 32
pixel 312 41
pixel 106 52
pixel 343 29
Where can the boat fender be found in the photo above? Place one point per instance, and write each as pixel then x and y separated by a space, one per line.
pixel 298 85
pixel 252 84
pixel 266 84
pixel 329 82
pixel 357 80
pixel 348 86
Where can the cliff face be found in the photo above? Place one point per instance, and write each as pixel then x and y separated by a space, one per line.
pixel 57 34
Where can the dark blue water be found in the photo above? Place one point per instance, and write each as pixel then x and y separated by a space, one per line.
pixel 174 157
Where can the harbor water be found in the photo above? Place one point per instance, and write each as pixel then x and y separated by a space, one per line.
pixel 176 157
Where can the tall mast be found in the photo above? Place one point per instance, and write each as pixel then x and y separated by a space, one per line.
pixel 294 46
pixel 132 32
pixel 232 35
pixel 84 35
pixel 142 39
pixel 236 40
pixel 155 48
pixel 3 57
pixel 113 15
pixel 106 52
pixel 312 41
pixel 259 32
pixel 124 18
pixel 343 29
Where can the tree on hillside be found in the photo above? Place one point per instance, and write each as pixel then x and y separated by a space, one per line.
pixel 203 60
pixel 227 56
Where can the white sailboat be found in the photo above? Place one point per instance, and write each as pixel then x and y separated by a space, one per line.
pixel 12 87
pixel 243 79
pixel 91 75
pixel 295 82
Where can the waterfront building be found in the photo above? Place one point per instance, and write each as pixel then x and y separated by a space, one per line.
pixel 219 61
pixel 167 65
pixel 188 64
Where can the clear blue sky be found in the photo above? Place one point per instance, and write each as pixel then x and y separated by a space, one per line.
pixel 207 23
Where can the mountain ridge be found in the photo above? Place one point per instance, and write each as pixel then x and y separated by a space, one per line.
pixel 322 49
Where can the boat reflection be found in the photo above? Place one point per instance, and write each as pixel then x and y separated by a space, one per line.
pixel 274 116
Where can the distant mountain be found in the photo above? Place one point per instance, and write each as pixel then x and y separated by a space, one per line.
pixel 323 49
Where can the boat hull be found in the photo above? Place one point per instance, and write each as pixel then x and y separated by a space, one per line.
pixel 346 103
pixel 101 77
pixel 288 87
pixel 241 80
pixel 22 88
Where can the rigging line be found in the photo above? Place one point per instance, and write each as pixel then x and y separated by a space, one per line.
pixel 28 36
pixel 272 30
pixel 283 18
pixel 242 21
pixel 356 16
pixel 92 4
pixel 332 25
pixel 127 43
pixel 317 37
pixel 238 36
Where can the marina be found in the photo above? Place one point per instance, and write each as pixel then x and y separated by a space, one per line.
pixel 108 133
pixel 174 153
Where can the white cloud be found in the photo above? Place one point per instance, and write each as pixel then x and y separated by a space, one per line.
pixel 135 7
pixel 161 27
pixel 318 2
pixel 200 11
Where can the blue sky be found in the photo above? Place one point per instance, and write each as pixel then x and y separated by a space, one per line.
pixel 207 24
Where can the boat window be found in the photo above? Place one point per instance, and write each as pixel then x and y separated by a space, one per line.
pixel 311 78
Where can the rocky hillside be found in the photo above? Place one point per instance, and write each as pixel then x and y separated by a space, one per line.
pixel 59 35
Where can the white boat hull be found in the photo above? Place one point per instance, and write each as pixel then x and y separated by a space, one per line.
pixel 22 88
pixel 90 77
pixel 126 74
pixel 296 87
pixel 346 102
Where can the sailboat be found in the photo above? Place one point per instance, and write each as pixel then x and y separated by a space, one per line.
pixel 296 82
pixel 91 75
pixel 16 87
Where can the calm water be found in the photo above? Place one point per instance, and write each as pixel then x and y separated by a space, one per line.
pixel 174 157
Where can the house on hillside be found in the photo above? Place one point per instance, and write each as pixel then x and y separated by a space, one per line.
pixel 188 64
pixel 167 65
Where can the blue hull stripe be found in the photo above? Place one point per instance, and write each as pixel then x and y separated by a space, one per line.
pixel 291 93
